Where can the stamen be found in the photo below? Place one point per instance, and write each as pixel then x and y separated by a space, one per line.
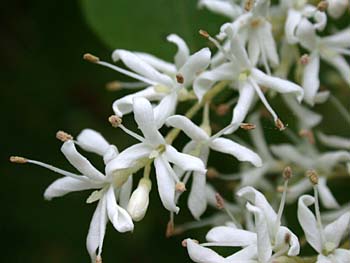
pixel 91 58
pixel 304 59
pixel 247 126
pixel 212 173
pixel 180 187
pixel 204 33
pixel 115 121
pixel 279 124
pixel 131 133
pixel 309 135
pixel 169 229
pixel 249 4
pixel 118 85
pixel 313 176
pixel 220 204
pixel 180 79
pixel 63 136
pixel 98 259
pixel 322 6
pixel 216 44
pixel 18 159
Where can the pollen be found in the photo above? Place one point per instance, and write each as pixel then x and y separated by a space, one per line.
pixel 91 58
pixel 279 124
pixel 114 120
pixel 287 173
pixel 247 126
pixel 313 176
pixel 180 79
pixel 180 187
pixel 204 33
pixel 113 86
pixel 98 259
pixel 322 6
pixel 63 136
pixel 18 159
pixel 249 4
pixel 304 59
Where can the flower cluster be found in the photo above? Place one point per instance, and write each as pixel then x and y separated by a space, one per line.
pixel 252 59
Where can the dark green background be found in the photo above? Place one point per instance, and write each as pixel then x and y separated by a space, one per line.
pixel 46 86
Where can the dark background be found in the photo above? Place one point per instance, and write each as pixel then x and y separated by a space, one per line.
pixel 46 86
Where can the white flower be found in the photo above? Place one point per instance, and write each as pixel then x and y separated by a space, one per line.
pixel 334 141
pixel 139 200
pixel 325 240
pixel 228 8
pixel 106 193
pixel 336 8
pixel 154 148
pixel 331 49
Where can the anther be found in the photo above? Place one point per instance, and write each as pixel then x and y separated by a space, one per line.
pixel 279 124
pixel 220 203
pixel 113 86
pixel 308 135
pixel 63 136
pixel 169 229
pixel 287 173
pixel 313 176
pixel 114 120
pixel 287 238
pixel 212 173
pixel 249 4
pixel 322 6
pixel 18 159
pixel 204 33
pixel 98 259
pixel 247 126
pixel 184 242
pixel 91 58
pixel 180 187
pixel 180 79
pixel 222 109
pixel 280 189
pixel 304 59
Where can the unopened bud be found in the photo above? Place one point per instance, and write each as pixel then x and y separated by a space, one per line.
pixel 18 159
pixel 180 79
pixel 304 59
pixel 247 126
pixel 169 232
pixel 220 202
pixel 63 136
pixel 287 173
pixel 279 124
pixel 322 6
pixel 308 135
pixel 180 187
pixel 139 200
pixel 222 109
pixel 204 33
pixel 249 4
pixel 114 120
pixel 313 176
pixel 113 86
pixel 212 173
pixel 91 58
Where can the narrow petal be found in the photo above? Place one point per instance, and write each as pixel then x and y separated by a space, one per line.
pixel 292 22
pixel 253 49
pixel 228 9
pixel 92 141
pixel 240 152
pixel 334 141
pixel 341 255
pixel 201 254
pixel 195 65
pixel 118 216
pixel 335 231
pixel 231 236
pixel 188 127
pixel 196 201
pixel 139 66
pixel 165 108
pixel 185 161
pixel 311 81
pixel 66 185
pixel 144 118
pixel 166 184
pixel 245 255
pixel 268 44
pixel 111 153
pixel 328 160
pixel 183 52
pixel 125 193
pixel 306 34
pixel 336 8
pixel 326 196
pixel 290 154
pixel 80 162
pixel 340 64
pixel 284 234
pixel 339 39
pixel 157 63
pixel 308 222
pixel 277 84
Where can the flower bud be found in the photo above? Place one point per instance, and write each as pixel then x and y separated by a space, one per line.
pixel 139 200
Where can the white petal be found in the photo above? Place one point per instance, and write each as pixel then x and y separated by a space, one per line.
pixel 326 196
pixel 229 9
pixel 157 63
pixel 323 259
pixel 240 152
pixel 334 141
pixel 290 154
pixel 245 255
pixel 268 44
pixel 125 193
pixel 196 201
pixel 239 52
pixel 307 35
pixel 297 189
pixel 124 105
pixel 253 49
pixel 66 185
pixel 277 84
pixel 339 39
pixel 80 162
pixel 328 160
pixel 185 161
pixel 321 20
pixel 308 222
pixel 97 230
pixel 188 127
pixel 231 237
pixel 336 8
pixel 183 51
pixel 341 255
pixel 340 64
pixel 111 153
pixel 166 184
pixel 262 231
pixel 294 247
pixel 144 118
pixel 92 141
pixel 201 254
pixel 311 81
pixel 292 22
pixel 118 216
pixel 164 109
pixel 335 231
pixel 195 65
pixel 138 65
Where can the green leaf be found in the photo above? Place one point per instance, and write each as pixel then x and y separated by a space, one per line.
pixel 143 25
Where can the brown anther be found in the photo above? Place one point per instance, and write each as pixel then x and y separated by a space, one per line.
pixel 255 23
pixel 169 229
pixel 309 135
pixel 249 4
pixel 98 259
pixel 222 109
pixel 91 58
pixel 63 136
pixel 279 124
pixel 184 242
pixel 313 176
pixel 220 202
pixel 204 33
pixel 280 189
pixel 180 79
pixel 304 59
pixel 180 187
pixel 18 159
pixel 247 126
pixel 322 6
pixel 212 173
pixel 113 86
pixel 287 238
pixel 114 120
pixel 287 173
